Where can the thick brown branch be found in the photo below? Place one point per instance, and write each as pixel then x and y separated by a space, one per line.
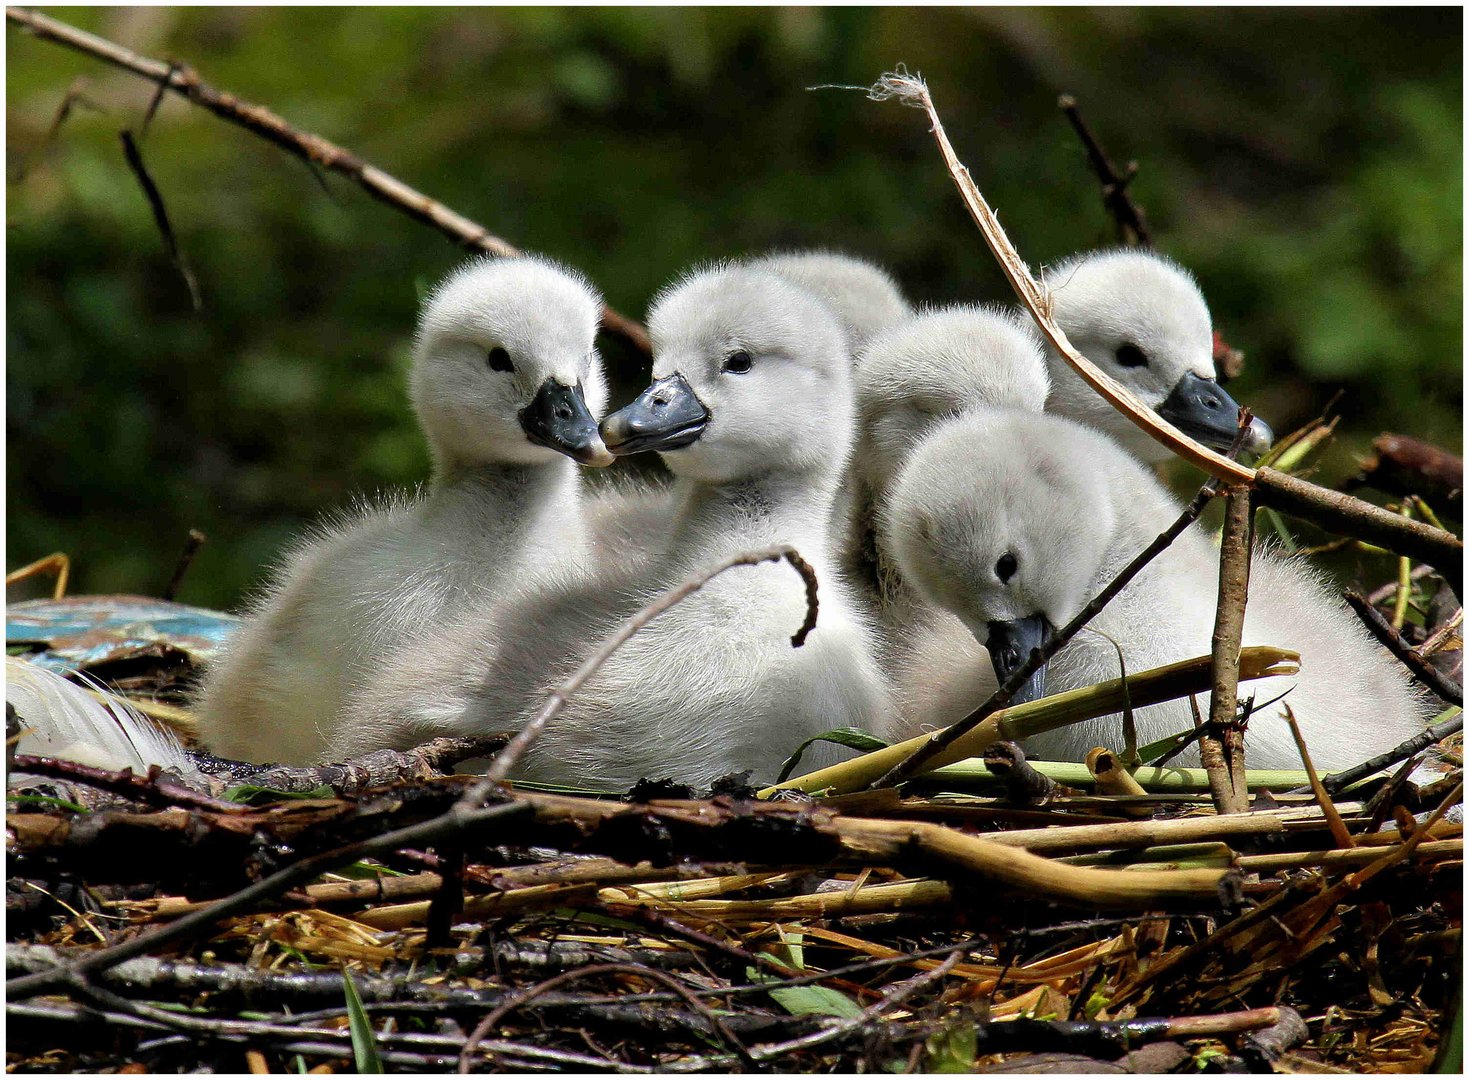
pixel 1221 747
pixel 315 150
pixel 1348 516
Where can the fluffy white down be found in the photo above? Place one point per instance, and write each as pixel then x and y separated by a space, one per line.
pixel 632 519
pixel 863 295
pixel 910 379
pixel 1073 507
pixel 498 509
pixel 62 720
pixel 713 686
pixel 1106 299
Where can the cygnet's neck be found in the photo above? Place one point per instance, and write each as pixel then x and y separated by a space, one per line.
pixel 753 512
pixel 498 501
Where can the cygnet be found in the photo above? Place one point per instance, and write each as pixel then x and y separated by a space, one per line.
pixel 751 409
pixel 1048 512
pixel 505 384
pixel 1141 318
pixel 911 379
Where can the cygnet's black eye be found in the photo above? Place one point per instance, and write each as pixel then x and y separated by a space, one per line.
pixel 1130 355
pixel 499 360
pixel 736 363
pixel 1006 567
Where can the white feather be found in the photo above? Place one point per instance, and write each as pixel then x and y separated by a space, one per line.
pixel 62 720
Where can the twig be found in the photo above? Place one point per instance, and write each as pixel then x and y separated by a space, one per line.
pixel 1422 670
pixel 1113 779
pixel 260 121
pixel 1023 784
pixel 485 1026
pixel 58 563
pixel 455 821
pixel 911 90
pixel 1347 516
pixel 912 765
pixel 134 158
pixel 1403 465
pixel 1339 832
pixel 1406 749
pixel 186 560
pixel 73 98
pixel 1132 226
pixel 1380 595
pixel 149 788
pixel 870 1015
pixel 507 758
pixel 1221 747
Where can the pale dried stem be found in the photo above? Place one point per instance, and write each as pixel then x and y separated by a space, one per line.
pixel 1338 828
pixel 912 90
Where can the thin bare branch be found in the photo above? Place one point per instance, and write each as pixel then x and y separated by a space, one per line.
pixel 1132 224
pixel 507 758
pixel 257 119
pixel 1422 670
pixel 134 157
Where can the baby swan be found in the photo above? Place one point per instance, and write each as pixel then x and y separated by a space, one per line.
pixel 1050 512
pixel 912 379
pixel 864 296
pixel 505 384
pixel 751 409
pixel 1141 318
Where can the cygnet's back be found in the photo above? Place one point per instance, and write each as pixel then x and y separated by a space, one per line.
pixel 1054 511
pixel 1141 318
pixel 751 409
pixel 504 383
pixel 864 297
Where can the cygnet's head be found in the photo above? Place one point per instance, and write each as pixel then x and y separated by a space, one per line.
pixel 751 378
pixel 935 365
pixel 1141 318
pixel 864 296
pixel 1000 517
pixel 505 371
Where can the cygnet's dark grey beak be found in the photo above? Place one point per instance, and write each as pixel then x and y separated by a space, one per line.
pixel 1010 645
pixel 1202 410
pixel 557 417
pixel 666 416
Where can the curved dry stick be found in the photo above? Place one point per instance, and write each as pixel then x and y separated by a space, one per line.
pixel 912 90
pixel 1327 509
pixel 313 149
pixel 495 1015
pixel 507 758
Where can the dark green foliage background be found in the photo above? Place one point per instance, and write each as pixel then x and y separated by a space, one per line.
pixel 1305 163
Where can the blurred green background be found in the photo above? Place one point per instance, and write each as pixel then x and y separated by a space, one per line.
pixel 1305 163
